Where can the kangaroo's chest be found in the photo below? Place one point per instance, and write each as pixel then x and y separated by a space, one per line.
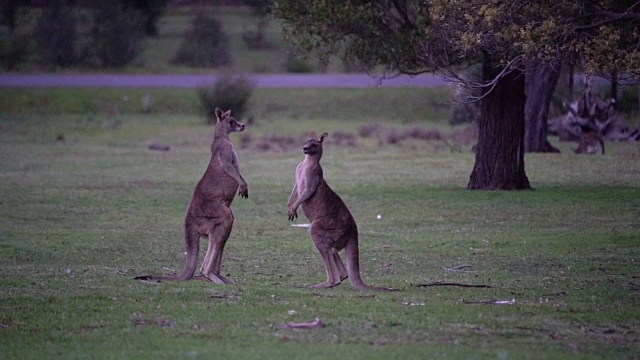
pixel 216 183
pixel 307 178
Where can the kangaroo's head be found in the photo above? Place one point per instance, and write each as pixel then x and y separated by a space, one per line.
pixel 313 146
pixel 601 110
pixel 226 124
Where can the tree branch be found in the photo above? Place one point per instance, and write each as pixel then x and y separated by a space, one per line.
pixel 611 17
pixel 444 283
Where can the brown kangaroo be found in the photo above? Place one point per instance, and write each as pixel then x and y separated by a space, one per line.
pixel 332 225
pixel 590 143
pixel 209 213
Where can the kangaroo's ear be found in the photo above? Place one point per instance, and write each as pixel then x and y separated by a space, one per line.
pixel 324 135
pixel 226 113
pixel 312 136
pixel 218 113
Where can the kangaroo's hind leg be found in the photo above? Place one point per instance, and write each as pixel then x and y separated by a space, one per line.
pixel 340 269
pixel 219 229
pixel 333 274
pixel 333 266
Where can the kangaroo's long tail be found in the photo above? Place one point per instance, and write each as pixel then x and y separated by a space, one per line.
pixel 191 247
pixel 353 267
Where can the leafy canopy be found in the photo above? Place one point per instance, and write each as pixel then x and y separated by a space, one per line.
pixel 414 36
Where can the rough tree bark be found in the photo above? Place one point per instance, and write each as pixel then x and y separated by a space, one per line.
pixel 500 150
pixel 540 83
pixel 571 79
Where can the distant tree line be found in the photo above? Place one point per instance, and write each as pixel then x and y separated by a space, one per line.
pixel 149 10
pixel 110 33
pixel 68 33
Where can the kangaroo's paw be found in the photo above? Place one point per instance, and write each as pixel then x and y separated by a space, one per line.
pixel 325 285
pixel 218 279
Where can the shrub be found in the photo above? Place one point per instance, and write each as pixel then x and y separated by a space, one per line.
pixel 467 107
pixel 205 44
pixel 150 10
pixel 230 91
pixel 55 35
pixel 256 40
pixel 85 38
pixel 297 64
pixel 628 101
pixel 464 113
pixel 117 35
pixel 370 130
pixel 9 10
pixel 14 50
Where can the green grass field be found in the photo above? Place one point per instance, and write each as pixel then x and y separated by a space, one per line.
pixel 85 207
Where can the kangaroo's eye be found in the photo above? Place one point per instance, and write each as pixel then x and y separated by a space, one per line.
pixel 230 122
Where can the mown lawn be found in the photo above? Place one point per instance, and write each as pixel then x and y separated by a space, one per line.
pixel 85 207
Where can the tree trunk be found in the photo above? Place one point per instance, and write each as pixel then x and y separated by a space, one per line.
pixel 571 79
pixel 500 149
pixel 540 83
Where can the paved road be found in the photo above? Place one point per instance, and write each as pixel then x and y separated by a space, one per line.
pixel 192 81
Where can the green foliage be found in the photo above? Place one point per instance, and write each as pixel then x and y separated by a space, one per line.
pixel 9 12
pixel 14 50
pixel 229 92
pixel 117 35
pixel 413 36
pixel 440 35
pixel 464 113
pixel 56 37
pixel 628 100
pixel 260 8
pixel 150 10
pixel 356 31
pixel 466 107
pixel 157 52
pixel 205 44
pixel 108 36
pixel 256 39
pixel 297 63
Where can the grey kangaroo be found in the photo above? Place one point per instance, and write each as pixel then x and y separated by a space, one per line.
pixel 209 213
pixel 332 225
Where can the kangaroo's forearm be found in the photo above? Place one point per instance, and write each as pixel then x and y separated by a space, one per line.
pixel 303 197
pixel 294 194
pixel 292 200
pixel 234 173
